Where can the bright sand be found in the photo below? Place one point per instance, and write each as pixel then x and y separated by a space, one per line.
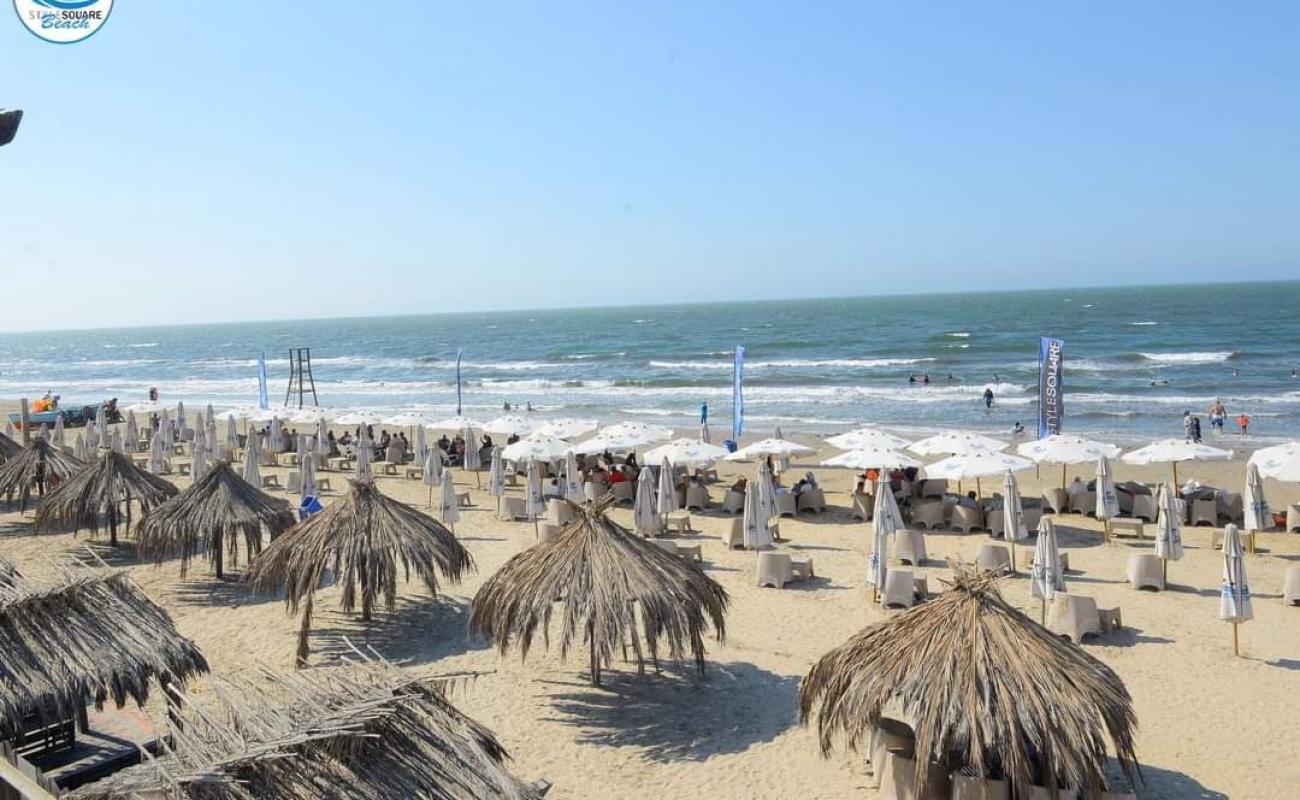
pixel 1210 724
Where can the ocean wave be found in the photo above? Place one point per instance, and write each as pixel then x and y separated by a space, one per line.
pixel 133 344
pixel 436 362
pixel 1144 323
pixel 958 335
pixel 793 363
pixel 1213 357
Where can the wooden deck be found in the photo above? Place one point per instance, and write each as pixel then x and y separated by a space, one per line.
pixel 112 741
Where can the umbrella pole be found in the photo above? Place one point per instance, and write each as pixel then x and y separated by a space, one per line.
pixel 536 534
pixel 1062 476
pixel 1235 649
pixel 979 492
pixel 477 485
pixel 1175 466
pixel 1164 571
pixel 1105 531
pixel 1012 545
pixel 1042 611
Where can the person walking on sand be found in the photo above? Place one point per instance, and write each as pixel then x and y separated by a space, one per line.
pixel 988 396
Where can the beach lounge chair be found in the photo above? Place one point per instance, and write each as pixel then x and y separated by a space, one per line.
pixel 1033 515
pixel 1145 572
pixel 1144 507
pixel 679 520
pixel 928 514
pixel 1074 617
pixel 697 497
pixel 1291 586
pixel 774 569
pixel 1055 501
pixel 933 488
pixel 898 779
pixel 1293 517
pixel 323 486
pixel 733 502
pixel 269 481
pixel 970 787
pixel 994 558
pixel 862 506
pixel 899 591
pixel 624 492
pixel 1084 503
pixel 1247 538
pixel 293 483
pixel 736 535
pixel 1127 523
pixel 510 508
pixel 965 519
pixel 710 475
pixel 909 546
pixel 1229 506
pixel 785 505
pixel 1203 512
pixel 885 740
pixel 558 512
pixel 812 500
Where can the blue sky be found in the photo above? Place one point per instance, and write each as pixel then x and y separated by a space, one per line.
pixel 221 161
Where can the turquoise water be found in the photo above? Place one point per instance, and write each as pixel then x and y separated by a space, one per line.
pixel 1135 359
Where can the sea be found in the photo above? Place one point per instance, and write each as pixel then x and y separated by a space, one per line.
pixel 1135 359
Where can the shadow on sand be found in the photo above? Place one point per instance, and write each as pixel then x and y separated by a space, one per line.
pixel 421 630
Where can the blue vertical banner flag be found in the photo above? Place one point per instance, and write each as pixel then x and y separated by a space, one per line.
pixel 459 351
pixel 1051 385
pixel 738 395
pixel 262 402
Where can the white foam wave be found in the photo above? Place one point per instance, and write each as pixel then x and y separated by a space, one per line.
pixel 958 334
pixel 1214 357
pixel 793 363
pixel 1144 323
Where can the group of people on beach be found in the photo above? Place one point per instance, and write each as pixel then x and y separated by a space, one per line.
pixel 1218 415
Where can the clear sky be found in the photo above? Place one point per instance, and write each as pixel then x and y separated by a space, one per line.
pixel 231 161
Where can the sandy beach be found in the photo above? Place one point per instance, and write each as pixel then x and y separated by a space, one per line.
pixel 1210 724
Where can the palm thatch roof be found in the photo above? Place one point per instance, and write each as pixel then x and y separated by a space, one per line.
pixel 367 538
pixel 616 588
pixel 213 514
pixel 38 461
pixel 349 733
pixel 90 633
pixel 985 689
pixel 8 447
pixel 109 483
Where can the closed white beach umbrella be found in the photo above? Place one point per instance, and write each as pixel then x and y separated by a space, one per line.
pixel 867 439
pixel 886 521
pixel 252 460
pixel 433 473
pixel 777 448
pixel 1107 507
pixel 536 446
pixel 199 463
pixel 157 454
pixel 872 458
pixel 1234 598
pixel 1172 451
pixel 58 428
pixel 115 441
pixel 302 450
pixel 132 437
pixel 666 495
pixel 308 471
pixel 323 439
pixel 954 442
pixel 9 429
pixel 79 449
pixel 91 438
pixel 1279 462
pixel 1046 579
pixel 566 428
pixel 449 509
pixel 180 416
pixel 101 426
pixel 755 535
pixel 509 425
pixel 1013 514
pixel 212 434
pixel 644 519
pixel 1256 514
pixel 686 453
pixel 767 492
pixel 572 488
pixel 44 432
pixel 1169 526
pixel 276 445
pixel 365 456
pixel 496 474
pixel 534 502
pixel 421 444
pixel 232 433
pixel 473 461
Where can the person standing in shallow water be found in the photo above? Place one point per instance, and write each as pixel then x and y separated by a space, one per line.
pixel 988 397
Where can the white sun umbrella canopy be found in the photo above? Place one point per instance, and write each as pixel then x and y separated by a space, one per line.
pixel 616 442
pixel 755 534
pixel 955 442
pixel 1061 448
pixel 977 464
pixel 1107 499
pixel 867 439
pixel 310 416
pixel 433 473
pixel 1169 524
pixel 359 418
pixel 872 458
pixel 1172 451
pixel 644 519
pixel 777 448
pixel 566 428
pixel 1279 462
pixel 1256 513
pixel 457 423
pixel 886 522
pixel 536 446
pixel 147 407
pixel 666 496
pixel 496 474
pixel 1013 510
pixel 686 453
pixel 509 425
pixel 406 419
pixel 1046 579
pixel 643 431
pixel 534 503
pixel 449 508
pixel 572 487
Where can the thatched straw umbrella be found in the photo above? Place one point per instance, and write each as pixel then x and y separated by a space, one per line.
pixel 368 539
pixel 985 688
pixel 212 514
pixel 8 447
pixel 111 481
pixel 615 587
pixel 35 465
pixel 350 733
pixel 90 634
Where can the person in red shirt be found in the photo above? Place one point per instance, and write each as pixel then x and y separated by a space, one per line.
pixel 617 476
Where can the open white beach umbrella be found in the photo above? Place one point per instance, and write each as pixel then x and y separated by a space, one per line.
pixel 1046 578
pixel 1279 462
pixel 312 415
pixel 406 419
pixel 266 415
pixel 449 509
pixel 58 428
pixel 615 443
pixel 955 442
pixel 147 407
pixel 1169 525
pixel 566 428
pixel 509 425
pixel 886 521
pixel 1234 597
pixel 666 495
pixel 872 458
pixel 496 474
pixel 572 487
pixel 977 464
pixel 1172 451
pixel 457 423
pixel 361 417
pixel 538 446
pixel 634 429
pixel 867 439
pixel 252 460
pixel 777 448
pixel 1107 499
pixel 644 519
pixel 534 503
pixel 686 453
pixel 308 482
pixel 1256 513
pixel 755 535
pixel 1063 448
